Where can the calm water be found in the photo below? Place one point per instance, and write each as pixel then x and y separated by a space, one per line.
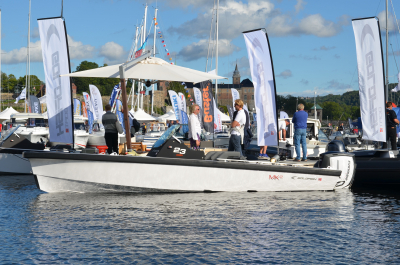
pixel 309 227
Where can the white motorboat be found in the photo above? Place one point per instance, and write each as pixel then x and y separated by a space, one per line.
pixel 33 126
pixel 81 135
pixel 172 167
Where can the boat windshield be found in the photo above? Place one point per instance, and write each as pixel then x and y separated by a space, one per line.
pixel 322 136
pixel 8 133
pixel 175 130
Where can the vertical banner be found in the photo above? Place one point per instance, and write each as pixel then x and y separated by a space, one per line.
pixel 197 96
pixel 21 96
pixel 34 105
pixel 230 111
pixel 183 101
pixel 77 107
pixel 89 110
pixel 235 96
pixel 84 110
pixel 185 120
pixel 113 95
pixel 207 109
pixel 370 78
pixel 120 114
pixel 97 103
pixel 217 118
pixel 283 115
pixel 53 37
pixel 175 100
pixel 262 73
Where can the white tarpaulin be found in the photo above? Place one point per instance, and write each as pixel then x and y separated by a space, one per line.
pixel 264 86
pixel 170 116
pixel 5 114
pixel 176 104
pixel 142 116
pixel 235 96
pixel 198 97
pixel 150 69
pixel 370 78
pixel 58 89
pixel 224 117
pixel 97 103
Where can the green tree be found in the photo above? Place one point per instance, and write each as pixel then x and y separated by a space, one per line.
pixel 11 83
pixel 34 81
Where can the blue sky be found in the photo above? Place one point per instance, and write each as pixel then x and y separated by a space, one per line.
pixel 312 41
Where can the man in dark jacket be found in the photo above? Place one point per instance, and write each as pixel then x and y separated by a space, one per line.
pixel 300 132
pixel 109 120
pixel 391 123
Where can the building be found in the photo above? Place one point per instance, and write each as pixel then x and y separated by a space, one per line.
pixel 311 112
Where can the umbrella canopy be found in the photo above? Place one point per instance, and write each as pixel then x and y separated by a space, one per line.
pixel 5 114
pixel 141 116
pixel 170 115
pixel 151 69
pixel 224 117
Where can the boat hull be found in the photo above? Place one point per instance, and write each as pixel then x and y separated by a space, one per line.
pixel 14 164
pixel 96 173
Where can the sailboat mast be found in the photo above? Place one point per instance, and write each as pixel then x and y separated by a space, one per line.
pixel 154 55
pixel 0 60
pixel 144 40
pixel 387 54
pixel 28 59
pixel 216 60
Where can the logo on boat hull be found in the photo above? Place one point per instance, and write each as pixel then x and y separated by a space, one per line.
pixel 275 177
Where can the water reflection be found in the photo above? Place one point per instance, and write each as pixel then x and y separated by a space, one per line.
pixel 305 227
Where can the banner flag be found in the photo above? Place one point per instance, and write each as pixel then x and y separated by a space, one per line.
pixel 351 124
pixel 245 108
pixel 397 88
pixel 113 95
pixel 84 110
pixel 185 120
pixel 262 73
pixel 53 38
pixel 235 96
pixel 120 114
pixel 89 110
pixel 97 103
pixel 370 78
pixel 34 105
pixel 183 101
pixel 230 111
pixel 207 109
pixel 175 100
pixel 197 96
pixel 217 118
pixel 21 96
pixel 77 107
pixel 42 100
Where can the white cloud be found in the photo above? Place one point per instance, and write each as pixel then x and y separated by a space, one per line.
pixel 285 74
pixel 113 53
pixel 382 21
pixel 299 6
pixel 77 50
pixel 324 48
pixel 19 55
pixel 35 33
pixel 199 49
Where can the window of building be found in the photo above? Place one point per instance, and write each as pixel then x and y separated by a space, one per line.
pixel 252 97
pixel 245 96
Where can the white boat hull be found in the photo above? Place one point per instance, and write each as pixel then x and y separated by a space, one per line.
pixel 14 164
pixel 57 173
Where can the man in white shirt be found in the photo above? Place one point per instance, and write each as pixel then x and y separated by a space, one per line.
pixel 194 127
pixel 237 130
pixel 282 129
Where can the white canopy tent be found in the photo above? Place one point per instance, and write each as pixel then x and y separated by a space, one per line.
pixel 142 116
pixel 150 69
pixel 5 114
pixel 170 115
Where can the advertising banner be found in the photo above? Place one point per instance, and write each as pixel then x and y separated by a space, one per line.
pixel 217 119
pixel 197 96
pixel 175 100
pixel 89 110
pixel 183 101
pixel 207 109
pixel 235 96
pixel 21 96
pixel 34 105
pixel 97 103
pixel 77 107
pixel 119 113
pixel 370 78
pixel 84 111
pixel 53 38
pixel 262 73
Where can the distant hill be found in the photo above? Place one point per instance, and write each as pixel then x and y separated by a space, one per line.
pixel 350 98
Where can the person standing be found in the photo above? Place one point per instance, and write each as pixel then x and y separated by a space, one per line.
pixel 109 121
pixel 237 128
pixel 300 132
pixel 391 123
pixel 194 127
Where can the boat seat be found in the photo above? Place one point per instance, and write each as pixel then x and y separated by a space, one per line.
pixel 138 146
pixel 215 155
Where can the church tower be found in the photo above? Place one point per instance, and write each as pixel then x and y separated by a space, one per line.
pixel 236 76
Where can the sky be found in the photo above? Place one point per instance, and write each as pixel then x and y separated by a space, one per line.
pixel 312 41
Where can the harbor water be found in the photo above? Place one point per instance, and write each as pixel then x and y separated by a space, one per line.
pixel 344 227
